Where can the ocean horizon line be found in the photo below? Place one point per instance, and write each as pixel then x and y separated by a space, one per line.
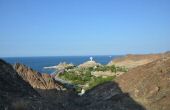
pixel 56 56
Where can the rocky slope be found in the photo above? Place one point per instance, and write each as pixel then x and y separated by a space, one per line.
pixel 37 80
pixel 12 86
pixel 17 94
pixel 131 61
pixel 149 84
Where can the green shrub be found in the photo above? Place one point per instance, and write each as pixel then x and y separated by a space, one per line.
pixel 102 68
pixel 113 68
pixel 83 76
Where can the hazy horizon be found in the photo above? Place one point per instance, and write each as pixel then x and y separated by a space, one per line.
pixel 32 28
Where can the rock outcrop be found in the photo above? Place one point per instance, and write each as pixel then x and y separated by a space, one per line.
pixel 64 65
pixel 149 84
pixel 89 64
pixel 36 79
pixel 131 61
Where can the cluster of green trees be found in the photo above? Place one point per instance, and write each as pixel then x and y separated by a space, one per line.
pixel 84 79
pixel 76 78
pixel 112 68
pixel 82 76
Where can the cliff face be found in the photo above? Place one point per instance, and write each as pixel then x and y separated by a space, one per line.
pixel 12 86
pixel 36 79
pixel 149 84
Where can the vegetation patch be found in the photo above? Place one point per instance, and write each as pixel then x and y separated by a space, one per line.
pixel 83 78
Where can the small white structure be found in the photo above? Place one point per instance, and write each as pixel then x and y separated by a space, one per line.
pixel 91 58
pixel 82 92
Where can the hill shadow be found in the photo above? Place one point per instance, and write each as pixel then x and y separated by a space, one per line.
pixel 107 96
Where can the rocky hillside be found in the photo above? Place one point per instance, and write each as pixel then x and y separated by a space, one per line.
pixel 17 94
pixel 131 61
pixel 149 84
pixel 37 80
pixel 12 86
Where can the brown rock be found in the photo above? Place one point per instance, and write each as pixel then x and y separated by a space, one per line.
pixel 36 79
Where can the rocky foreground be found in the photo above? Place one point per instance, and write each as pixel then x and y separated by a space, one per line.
pixel 146 87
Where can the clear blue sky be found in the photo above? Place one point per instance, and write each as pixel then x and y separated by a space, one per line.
pixel 83 27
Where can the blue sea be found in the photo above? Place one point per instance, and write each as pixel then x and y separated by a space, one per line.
pixel 38 63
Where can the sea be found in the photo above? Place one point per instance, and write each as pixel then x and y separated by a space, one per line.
pixel 38 63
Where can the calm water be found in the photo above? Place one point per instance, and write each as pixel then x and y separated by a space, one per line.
pixel 37 63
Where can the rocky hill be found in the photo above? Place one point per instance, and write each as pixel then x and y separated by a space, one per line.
pixel 17 94
pixel 12 86
pixel 37 80
pixel 132 60
pixel 149 84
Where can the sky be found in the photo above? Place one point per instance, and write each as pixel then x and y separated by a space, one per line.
pixel 83 27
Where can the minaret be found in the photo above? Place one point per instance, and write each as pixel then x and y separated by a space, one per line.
pixel 91 58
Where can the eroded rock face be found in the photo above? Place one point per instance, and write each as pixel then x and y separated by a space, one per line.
pixel 149 84
pixel 36 79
